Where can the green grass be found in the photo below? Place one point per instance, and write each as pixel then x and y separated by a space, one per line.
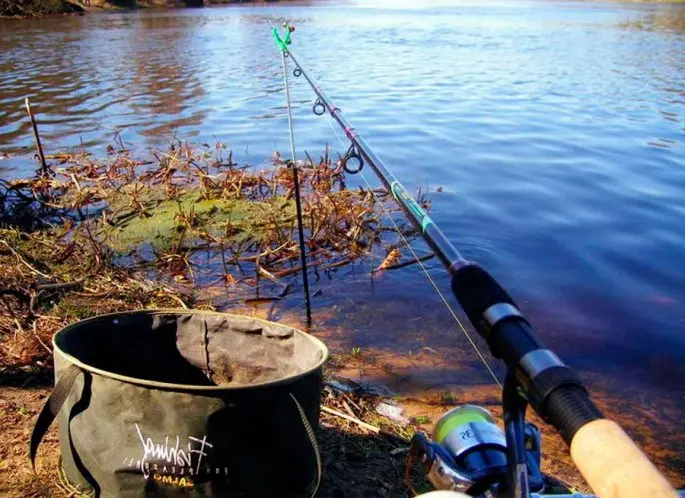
pixel 422 419
pixel 448 398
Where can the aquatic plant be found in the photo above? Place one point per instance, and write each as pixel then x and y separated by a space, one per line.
pixel 88 236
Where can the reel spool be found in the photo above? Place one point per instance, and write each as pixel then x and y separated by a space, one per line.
pixel 467 451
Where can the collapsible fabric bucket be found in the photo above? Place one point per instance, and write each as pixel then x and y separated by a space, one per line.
pixel 186 403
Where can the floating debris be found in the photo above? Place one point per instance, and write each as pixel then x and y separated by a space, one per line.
pixel 89 236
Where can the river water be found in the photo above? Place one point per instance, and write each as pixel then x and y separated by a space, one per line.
pixel 550 135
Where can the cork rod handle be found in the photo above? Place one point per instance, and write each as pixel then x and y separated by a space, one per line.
pixel 614 466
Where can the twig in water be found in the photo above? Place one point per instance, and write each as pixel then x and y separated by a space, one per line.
pixel 266 274
pixel 407 263
pixel 310 159
pixel 41 156
pixel 261 300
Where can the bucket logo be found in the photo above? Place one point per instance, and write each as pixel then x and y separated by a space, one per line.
pixel 171 461
pixel 181 482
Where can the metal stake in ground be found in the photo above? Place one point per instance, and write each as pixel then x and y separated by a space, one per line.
pixel 43 164
pixel 282 45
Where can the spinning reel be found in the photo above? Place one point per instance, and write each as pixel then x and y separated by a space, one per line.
pixel 467 452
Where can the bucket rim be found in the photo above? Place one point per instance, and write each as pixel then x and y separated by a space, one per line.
pixel 185 387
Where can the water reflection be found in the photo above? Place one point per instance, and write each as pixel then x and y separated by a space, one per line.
pixel 165 75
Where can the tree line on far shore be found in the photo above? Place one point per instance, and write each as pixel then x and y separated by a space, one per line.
pixel 29 8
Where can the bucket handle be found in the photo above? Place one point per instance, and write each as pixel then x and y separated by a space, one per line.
pixel 312 440
pixel 51 408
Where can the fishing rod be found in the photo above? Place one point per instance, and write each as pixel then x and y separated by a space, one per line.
pixel 608 459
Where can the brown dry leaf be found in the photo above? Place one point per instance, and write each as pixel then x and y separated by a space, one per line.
pixel 391 259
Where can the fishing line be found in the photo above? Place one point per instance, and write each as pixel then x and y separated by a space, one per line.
pixel 386 212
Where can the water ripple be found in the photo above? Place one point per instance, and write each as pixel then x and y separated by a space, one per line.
pixel 556 130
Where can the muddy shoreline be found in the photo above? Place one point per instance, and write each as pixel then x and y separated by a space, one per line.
pixel 364 453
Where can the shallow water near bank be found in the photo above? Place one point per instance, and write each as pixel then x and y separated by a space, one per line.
pixel 555 131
